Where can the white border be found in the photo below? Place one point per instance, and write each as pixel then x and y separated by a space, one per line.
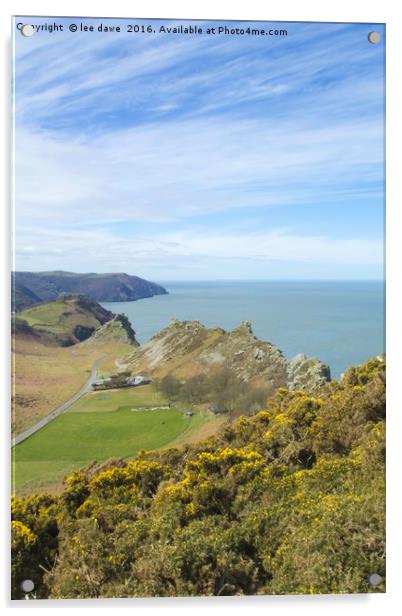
pixel 287 10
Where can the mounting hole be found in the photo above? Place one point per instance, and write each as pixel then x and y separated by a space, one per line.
pixel 375 579
pixel 27 585
pixel 27 30
pixel 374 37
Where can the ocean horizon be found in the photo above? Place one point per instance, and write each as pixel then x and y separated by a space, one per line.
pixel 339 322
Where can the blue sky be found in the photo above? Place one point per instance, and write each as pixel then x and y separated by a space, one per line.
pixel 200 157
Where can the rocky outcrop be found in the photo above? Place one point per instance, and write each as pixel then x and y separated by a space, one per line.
pixel 89 305
pixel 118 329
pixel 185 348
pixel 82 333
pixel 305 373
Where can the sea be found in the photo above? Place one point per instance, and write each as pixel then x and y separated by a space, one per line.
pixel 339 322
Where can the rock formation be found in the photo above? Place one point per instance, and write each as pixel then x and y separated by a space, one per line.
pixel 185 348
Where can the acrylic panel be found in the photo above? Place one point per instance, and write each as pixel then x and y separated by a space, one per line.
pixel 198 308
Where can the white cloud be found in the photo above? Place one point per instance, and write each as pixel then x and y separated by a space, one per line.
pixel 175 170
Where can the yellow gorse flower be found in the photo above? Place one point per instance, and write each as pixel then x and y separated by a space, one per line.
pixel 22 533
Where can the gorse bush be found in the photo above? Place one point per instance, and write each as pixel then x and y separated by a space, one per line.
pixel 290 500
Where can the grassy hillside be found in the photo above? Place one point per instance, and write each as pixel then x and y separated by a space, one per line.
pixel 65 321
pixel 288 501
pixel 46 375
pixel 50 364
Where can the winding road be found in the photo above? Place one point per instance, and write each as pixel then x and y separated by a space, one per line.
pixel 60 409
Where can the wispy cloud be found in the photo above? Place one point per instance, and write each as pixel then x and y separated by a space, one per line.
pixel 116 135
pixel 165 170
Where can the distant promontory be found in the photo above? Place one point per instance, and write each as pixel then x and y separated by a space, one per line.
pixel 29 288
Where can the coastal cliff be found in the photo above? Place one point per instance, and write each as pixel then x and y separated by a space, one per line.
pixel 30 288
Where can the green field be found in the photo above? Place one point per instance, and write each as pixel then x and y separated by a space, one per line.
pixel 112 400
pixel 57 317
pixel 100 426
pixel 44 314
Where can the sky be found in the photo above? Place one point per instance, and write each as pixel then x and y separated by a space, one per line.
pixel 200 157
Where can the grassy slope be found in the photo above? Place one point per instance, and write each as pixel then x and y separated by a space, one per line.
pixel 100 426
pixel 59 317
pixel 45 376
